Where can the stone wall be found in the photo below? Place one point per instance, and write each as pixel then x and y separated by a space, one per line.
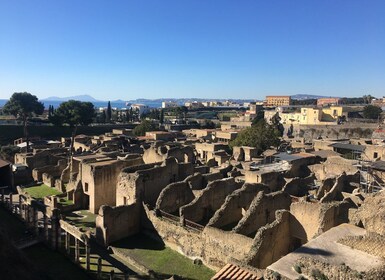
pixel 39 158
pixel 262 211
pixel 174 196
pixel 271 241
pixel 146 185
pixel 342 184
pixel 114 223
pixel 372 213
pixel 308 220
pixel 333 167
pixel 99 182
pixel 298 186
pixel 53 170
pixel 203 207
pixel 274 180
pixel 235 206
pixel 213 246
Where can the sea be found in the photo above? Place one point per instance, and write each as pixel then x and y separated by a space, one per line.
pixel 99 104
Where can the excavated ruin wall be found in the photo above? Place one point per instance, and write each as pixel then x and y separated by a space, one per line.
pixel 271 241
pixel 235 205
pixel 174 196
pixel 211 199
pixel 262 211
pixel 213 246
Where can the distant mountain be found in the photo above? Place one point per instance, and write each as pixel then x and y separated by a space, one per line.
pixel 307 96
pixel 84 97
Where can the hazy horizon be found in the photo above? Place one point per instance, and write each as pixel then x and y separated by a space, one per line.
pixel 176 49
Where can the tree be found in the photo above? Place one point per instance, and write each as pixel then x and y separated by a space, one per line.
pixel 290 131
pixel 276 122
pixel 261 136
pixel 161 117
pixel 8 152
pixel 143 127
pixel 108 112
pixel 24 105
pixel 260 115
pixel 372 112
pixel 75 113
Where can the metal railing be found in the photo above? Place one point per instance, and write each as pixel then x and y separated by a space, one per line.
pixel 193 225
pixel 169 216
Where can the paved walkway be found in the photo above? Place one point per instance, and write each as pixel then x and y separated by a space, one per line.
pixel 325 248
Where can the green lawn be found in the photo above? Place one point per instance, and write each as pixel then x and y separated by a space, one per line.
pixel 41 191
pixel 11 225
pixel 53 264
pixel 161 259
pixel 82 219
pixel 66 202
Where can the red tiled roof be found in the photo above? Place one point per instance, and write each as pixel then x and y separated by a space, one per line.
pixel 233 272
pixel 3 163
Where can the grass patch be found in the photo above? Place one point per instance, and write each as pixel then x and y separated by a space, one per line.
pixel 161 259
pixel 82 219
pixel 66 202
pixel 53 264
pixel 41 191
pixel 11 225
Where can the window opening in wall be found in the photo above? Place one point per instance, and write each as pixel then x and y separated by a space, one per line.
pixel 86 187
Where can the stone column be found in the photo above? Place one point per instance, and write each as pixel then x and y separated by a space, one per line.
pixel 99 268
pixel 77 251
pixel 20 206
pixel 11 202
pixel 35 220
pixel 59 236
pixel 53 231
pixel 46 232
pixel 26 210
pixel 88 253
pixel 68 243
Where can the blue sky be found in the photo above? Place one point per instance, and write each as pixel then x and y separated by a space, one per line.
pixel 188 48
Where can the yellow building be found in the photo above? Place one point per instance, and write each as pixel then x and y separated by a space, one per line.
pixel 307 116
pixel 276 100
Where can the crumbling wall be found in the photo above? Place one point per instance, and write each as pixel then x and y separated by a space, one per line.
pixel 146 185
pixel 174 196
pixel 39 158
pixel 333 167
pixel 273 179
pixel 202 208
pixel 262 211
pixel 154 154
pixel 342 184
pixel 182 154
pixel 160 153
pixel 54 170
pixel 372 213
pixel 238 153
pixel 308 220
pixel 299 167
pixel 114 223
pixel 298 186
pixel 213 246
pixel 326 186
pixel 236 204
pixel 271 241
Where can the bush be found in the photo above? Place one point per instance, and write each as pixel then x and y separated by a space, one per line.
pixel 144 126
pixel 297 268
pixel 318 275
